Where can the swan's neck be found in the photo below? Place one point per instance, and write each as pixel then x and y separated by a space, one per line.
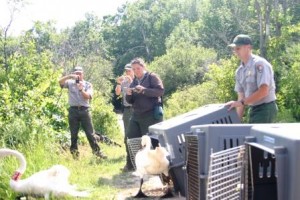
pixel 18 173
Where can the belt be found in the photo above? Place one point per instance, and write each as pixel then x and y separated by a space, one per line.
pixel 79 107
pixel 262 104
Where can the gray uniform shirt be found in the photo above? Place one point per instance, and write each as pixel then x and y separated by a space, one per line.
pixel 75 96
pixel 250 76
pixel 125 84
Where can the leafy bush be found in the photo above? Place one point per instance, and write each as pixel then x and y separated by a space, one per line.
pixel 190 98
pixel 183 65
pixel 104 119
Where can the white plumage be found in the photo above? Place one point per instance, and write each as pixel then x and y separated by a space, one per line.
pixel 53 181
pixel 150 161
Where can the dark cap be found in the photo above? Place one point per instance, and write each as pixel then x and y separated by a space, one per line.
pixel 240 40
pixel 128 67
pixel 78 69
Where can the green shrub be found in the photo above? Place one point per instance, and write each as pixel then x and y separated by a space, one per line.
pixel 104 119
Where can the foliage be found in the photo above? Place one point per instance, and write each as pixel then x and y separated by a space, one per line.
pixel 290 88
pixel 219 78
pixel 28 89
pixel 183 65
pixel 104 119
pixel 189 98
pixel 184 32
pixel 222 75
pixel 142 27
pixel 184 42
pixel 221 20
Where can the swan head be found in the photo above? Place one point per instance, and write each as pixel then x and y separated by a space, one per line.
pixel 16 176
pixel 146 141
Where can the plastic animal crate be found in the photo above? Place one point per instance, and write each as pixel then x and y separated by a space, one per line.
pixel 200 143
pixel 170 134
pixel 274 162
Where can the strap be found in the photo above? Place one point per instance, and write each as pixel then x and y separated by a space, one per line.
pixel 160 99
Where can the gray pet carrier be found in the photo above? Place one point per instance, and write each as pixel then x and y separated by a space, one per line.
pixel 274 162
pixel 200 143
pixel 170 134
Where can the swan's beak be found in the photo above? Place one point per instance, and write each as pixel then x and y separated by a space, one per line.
pixel 17 176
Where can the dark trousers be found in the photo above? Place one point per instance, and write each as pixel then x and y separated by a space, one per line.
pixel 138 126
pixel 263 113
pixel 81 116
pixel 126 119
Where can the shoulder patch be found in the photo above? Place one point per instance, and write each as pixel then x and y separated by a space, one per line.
pixel 259 68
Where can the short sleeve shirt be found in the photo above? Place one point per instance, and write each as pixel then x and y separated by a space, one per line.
pixel 75 96
pixel 125 84
pixel 250 76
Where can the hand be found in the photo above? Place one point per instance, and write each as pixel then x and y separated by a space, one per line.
pixel 128 78
pixel 80 85
pixel 120 79
pixel 129 91
pixel 139 88
pixel 233 104
pixel 73 76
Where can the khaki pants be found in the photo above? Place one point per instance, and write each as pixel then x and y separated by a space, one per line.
pixel 126 119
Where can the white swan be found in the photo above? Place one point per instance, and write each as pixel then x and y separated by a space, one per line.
pixel 53 181
pixel 150 161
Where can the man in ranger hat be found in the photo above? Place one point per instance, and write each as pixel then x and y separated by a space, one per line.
pixel 254 83
pixel 80 93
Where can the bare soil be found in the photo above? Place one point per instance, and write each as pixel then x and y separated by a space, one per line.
pixel 152 187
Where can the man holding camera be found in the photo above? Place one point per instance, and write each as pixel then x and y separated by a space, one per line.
pixel 80 93
pixel 123 83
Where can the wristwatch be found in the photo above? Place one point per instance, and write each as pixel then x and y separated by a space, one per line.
pixel 242 102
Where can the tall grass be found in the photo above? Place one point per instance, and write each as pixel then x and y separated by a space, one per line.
pixel 88 173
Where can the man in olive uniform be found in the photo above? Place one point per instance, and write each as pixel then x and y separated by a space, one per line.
pixel 80 93
pixel 254 83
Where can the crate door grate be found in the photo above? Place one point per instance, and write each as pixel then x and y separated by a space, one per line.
pixel 134 145
pixel 225 177
pixel 193 183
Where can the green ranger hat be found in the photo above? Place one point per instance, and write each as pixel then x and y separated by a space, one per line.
pixel 240 40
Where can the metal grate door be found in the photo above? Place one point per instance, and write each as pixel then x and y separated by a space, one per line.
pixel 225 178
pixel 134 145
pixel 193 183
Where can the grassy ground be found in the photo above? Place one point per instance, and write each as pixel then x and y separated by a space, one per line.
pixel 102 178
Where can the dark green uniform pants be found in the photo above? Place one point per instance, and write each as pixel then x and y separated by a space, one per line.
pixel 81 116
pixel 263 113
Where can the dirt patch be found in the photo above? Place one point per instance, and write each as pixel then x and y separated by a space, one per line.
pixel 152 187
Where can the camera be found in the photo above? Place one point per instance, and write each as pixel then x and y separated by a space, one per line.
pixel 134 90
pixel 77 80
